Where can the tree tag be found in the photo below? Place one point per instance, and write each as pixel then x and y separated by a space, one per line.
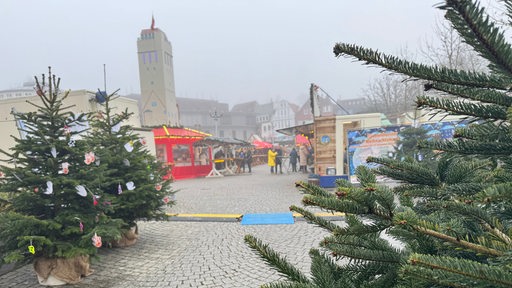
pixel 31 248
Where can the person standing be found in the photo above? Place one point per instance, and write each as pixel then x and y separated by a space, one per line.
pixel 240 160
pixel 303 158
pixel 272 159
pixel 248 158
pixel 279 159
pixel 293 159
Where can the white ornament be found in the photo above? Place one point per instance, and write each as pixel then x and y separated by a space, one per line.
pixel 54 152
pixel 116 127
pixel 49 188
pixel 130 185
pixel 80 190
pixel 128 146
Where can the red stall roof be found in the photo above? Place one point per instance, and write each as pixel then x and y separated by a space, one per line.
pixel 166 132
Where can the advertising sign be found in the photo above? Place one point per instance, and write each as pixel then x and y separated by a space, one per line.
pixel 381 142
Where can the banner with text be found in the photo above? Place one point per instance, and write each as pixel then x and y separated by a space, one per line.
pixel 381 142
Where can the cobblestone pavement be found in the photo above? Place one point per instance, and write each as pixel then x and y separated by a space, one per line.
pixel 204 253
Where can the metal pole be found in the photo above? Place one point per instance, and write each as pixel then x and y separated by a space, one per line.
pixel 105 78
pixel 216 116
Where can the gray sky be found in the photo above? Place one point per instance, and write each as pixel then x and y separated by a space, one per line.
pixel 227 50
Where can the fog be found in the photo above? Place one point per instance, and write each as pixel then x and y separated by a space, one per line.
pixel 225 50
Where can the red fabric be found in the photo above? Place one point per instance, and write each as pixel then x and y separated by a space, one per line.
pixel 261 144
pixel 299 139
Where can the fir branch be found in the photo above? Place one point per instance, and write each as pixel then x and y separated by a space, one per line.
pixel 365 177
pixel 496 194
pixel 459 242
pixel 456 107
pixel 413 173
pixel 482 273
pixel 315 219
pixel 488 131
pixel 313 189
pixel 421 71
pixel 273 259
pixel 422 276
pixel 358 228
pixel 326 273
pixel 368 247
pixel 469 147
pixel 479 32
pixel 346 206
pixel 476 94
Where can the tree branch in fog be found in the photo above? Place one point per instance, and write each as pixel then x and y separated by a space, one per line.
pixel 450 51
pixel 392 95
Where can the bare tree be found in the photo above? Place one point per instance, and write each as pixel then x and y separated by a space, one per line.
pixel 449 50
pixel 392 95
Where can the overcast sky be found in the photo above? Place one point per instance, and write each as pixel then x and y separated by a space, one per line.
pixel 226 50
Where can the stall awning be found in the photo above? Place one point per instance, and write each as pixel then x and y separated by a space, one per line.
pixel 304 129
pixel 166 132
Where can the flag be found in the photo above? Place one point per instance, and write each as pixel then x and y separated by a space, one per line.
pixel 152 23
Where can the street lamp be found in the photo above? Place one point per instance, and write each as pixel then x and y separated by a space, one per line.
pixel 216 116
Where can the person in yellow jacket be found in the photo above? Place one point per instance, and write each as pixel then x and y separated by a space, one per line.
pixel 272 160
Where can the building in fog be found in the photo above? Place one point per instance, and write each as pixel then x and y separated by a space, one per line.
pixel 156 72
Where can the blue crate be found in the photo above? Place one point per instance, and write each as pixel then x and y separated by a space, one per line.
pixel 329 181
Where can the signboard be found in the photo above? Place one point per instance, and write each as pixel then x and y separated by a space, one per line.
pixel 381 142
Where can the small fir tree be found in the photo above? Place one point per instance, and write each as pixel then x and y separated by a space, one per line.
pixel 138 185
pixel 56 208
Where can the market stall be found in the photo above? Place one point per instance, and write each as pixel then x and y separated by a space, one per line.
pixel 175 146
pixel 224 154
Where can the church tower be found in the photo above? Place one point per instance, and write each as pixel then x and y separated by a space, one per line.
pixel 156 73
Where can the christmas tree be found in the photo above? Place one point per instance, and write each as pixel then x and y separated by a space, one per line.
pixel 450 223
pixel 138 185
pixel 56 208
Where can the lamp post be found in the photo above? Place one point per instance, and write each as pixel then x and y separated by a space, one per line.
pixel 216 116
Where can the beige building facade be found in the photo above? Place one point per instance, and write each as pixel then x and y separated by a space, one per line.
pixel 79 101
pixel 156 72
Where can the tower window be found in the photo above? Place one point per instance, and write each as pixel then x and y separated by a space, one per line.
pixel 153 104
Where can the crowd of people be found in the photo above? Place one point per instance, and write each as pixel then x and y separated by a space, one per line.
pixel 242 158
pixel 276 156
